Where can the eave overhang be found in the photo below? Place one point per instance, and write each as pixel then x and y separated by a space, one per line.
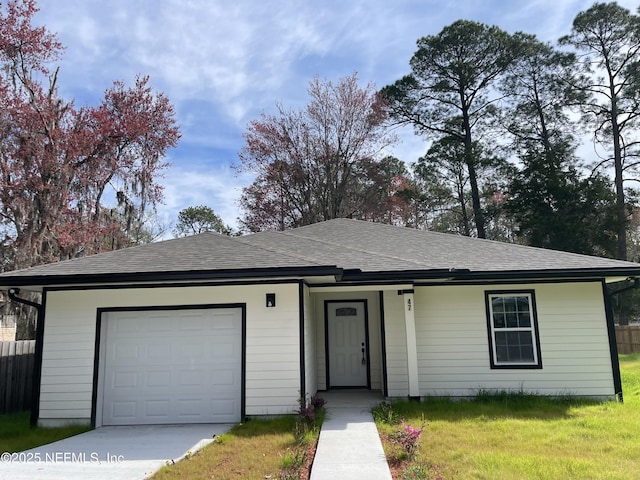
pixel 464 275
pixel 168 277
pixel 331 274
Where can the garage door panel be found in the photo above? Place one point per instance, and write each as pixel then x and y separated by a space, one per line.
pixel 124 410
pixel 158 324
pixel 123 379
pixel 190 378
pixel 158 379
pixel 181 374
pixel 158 409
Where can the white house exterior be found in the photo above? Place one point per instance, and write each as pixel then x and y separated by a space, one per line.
pixel 214 329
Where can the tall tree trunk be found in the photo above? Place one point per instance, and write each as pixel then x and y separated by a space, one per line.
pixel 478 215
pixel 621 211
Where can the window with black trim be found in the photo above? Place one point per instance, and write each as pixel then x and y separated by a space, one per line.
pixel 513 329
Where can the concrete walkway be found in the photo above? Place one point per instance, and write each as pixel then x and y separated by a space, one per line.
pixel 110 453
pixel 349 447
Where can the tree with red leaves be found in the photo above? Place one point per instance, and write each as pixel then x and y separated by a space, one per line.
pixel 321 162
pixel 73 181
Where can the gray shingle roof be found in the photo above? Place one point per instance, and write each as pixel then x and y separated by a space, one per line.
pixel 350 245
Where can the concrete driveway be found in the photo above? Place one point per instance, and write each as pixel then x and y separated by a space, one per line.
pixel 110 453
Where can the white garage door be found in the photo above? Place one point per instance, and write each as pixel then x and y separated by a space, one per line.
pixel 172 366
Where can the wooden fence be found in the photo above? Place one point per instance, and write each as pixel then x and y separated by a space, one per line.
pixel 16 375
pixel 628 338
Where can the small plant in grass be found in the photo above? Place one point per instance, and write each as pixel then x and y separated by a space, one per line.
pixel 310 417
pixel 307 414
pixel 384 413
pixel 417 471
pixel 318 402
pixel 291 463
pixel 408 438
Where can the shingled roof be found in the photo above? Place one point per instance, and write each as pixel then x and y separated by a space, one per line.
pixel 347 249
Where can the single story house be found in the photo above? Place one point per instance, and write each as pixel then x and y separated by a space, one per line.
pixel 212 328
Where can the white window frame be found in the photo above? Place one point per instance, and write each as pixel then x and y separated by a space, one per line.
pixel 532 329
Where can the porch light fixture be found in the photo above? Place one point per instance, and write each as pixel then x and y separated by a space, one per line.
pixel 271 300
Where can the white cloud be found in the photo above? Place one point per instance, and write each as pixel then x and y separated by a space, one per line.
pixel 222 63
pixel 218 188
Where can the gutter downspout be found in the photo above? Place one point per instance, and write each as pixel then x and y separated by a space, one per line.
pixel 613 345
pixel 37 365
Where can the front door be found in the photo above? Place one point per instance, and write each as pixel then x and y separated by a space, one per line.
pixel 347 344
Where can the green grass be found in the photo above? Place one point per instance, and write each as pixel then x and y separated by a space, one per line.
pixel 528 437
pixel 257 449
pixel 16 435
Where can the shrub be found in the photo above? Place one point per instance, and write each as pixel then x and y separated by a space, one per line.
pixel 384 413
pixel 318 403
pixel 310 417
pixel 408 437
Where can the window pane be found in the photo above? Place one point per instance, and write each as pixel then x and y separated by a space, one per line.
pixel 497 305
pixel 512 328
pixel 501 354
pixel 523 304
pixel 514 347
pixel 527 353
pixel 514 353
pixel 510 304
pixel 524 319
pixel 513 338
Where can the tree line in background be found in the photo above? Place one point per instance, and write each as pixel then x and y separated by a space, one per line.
pixel 74 180
pixel 502 114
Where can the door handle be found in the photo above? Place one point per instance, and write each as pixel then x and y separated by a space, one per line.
pixel 364 361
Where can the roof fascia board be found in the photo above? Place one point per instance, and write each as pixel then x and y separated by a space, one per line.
pixel 466 275
pixel 156 277
pixel 367 287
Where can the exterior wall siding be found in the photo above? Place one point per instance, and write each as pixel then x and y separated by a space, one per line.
pixel 453 350
pixel 451 329
pixel 375 345
pixel 272 344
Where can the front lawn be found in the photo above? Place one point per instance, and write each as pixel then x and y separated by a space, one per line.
pixel 16 435
pixel 278 448
pixel 522 436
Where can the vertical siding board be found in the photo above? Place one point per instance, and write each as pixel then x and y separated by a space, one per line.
pixel 16 373
pixel 31 355
pixel 9 384
pixel 4 354
pixel 397 366
pixel 628 338
pixel 21 371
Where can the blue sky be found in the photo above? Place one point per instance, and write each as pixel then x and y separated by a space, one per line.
pixel 222 63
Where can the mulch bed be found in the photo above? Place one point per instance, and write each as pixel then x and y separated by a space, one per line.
pixel 305 471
